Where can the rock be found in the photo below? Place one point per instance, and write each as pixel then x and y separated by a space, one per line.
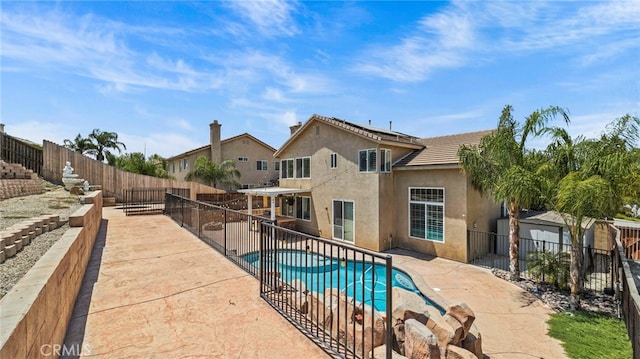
pixel 457 329
pixel 399 337
pixel 408 305
pixel 454 352
pixel 445 333
pixel 473 342
pixel 463 314
pixel 298 299
pixel 420 341
pixel 76 191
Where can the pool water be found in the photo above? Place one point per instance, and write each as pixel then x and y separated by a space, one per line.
pixel 366 282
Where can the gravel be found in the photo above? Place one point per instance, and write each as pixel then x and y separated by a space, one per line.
pixel 55 200
pixel 558 300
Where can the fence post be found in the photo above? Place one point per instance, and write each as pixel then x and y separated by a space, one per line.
pixel 389 272
pixel 545 262
pixel 181 212
pixel 224 229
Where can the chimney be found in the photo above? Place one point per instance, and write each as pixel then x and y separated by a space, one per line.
pixel 214 134
pixel 295 128
pixel 1 127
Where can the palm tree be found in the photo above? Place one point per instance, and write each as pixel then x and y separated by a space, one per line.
pixel 102 141
pixel 79 144
pixel 592 182
pixel 213 174
pixel 502 167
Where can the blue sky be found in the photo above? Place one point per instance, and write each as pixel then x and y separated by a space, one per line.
pixel 159 72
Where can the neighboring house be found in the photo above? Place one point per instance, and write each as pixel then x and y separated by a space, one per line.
pixel 547 229
pixel 252 157
pixel 380 189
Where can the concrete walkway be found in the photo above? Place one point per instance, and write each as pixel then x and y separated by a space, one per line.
pixel 153 290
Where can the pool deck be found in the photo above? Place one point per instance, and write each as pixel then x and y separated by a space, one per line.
pixel 153 290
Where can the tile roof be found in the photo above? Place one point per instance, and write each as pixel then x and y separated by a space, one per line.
pixel 442 150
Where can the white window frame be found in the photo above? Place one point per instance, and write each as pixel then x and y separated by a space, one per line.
pixel 262 165
pixel 303 167
pixel 427 205
pixel 243 159
pixel 333 224
pixel 299 208
pixel 385 160
pixel 288 165
pixel 369 167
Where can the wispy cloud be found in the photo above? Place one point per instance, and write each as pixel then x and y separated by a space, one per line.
pixel 95 48
pixel 466 32
pixel 268 17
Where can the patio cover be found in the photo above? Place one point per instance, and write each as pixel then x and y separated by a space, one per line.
pixel 272 192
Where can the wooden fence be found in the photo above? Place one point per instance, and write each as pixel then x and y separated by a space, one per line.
pixel 112 180
pixel 13 150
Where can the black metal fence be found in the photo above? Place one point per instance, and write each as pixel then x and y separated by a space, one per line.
pixel 541 260
pixel 626 289
pixel 337 294
pixel 148 200
pixel 14 150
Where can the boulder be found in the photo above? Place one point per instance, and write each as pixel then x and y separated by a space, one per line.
pixel 445 333
pixel 455 352
pixel 298 298
pixel 408 305
pixel 463 314
pixel 420 341
pixel 318 311
pixel 473 342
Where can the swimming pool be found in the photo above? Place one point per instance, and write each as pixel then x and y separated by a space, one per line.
pixel 366 282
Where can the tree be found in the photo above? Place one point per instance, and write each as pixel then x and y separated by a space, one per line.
pixel 502 167
pixel 591 183
pixel 79 144
pixel 213 174
pixel 102 141
pixel 136 163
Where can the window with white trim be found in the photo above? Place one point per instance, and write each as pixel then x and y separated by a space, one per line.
pixel 303 208
pixel 186 164
pixel 276 166
pixel 303 167
pixel 426 213
pixel 367 160
pixel 333 159
pixel 287 168
pixel 243 159
pixel 385 160
pixel 343 220
pixel 261 165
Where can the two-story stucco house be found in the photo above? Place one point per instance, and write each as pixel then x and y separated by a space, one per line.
pixel 380 189
pixel 252 157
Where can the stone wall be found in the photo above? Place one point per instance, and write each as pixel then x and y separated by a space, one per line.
pixel 16 181
pixel 36 311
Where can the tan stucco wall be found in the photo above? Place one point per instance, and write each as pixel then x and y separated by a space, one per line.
pixel 254 151
pixel 242 146
pixel 370 192
pixel 481 210
pixel 455 211
pixel 174 168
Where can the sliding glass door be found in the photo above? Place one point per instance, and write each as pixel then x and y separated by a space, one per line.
pixel 343 220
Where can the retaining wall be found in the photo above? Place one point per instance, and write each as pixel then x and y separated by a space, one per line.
pixel 36 312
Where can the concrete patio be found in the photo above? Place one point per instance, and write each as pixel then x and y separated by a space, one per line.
pixel 153 290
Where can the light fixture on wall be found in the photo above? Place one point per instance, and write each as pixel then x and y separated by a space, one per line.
pixel 308 250
pixel 343 261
